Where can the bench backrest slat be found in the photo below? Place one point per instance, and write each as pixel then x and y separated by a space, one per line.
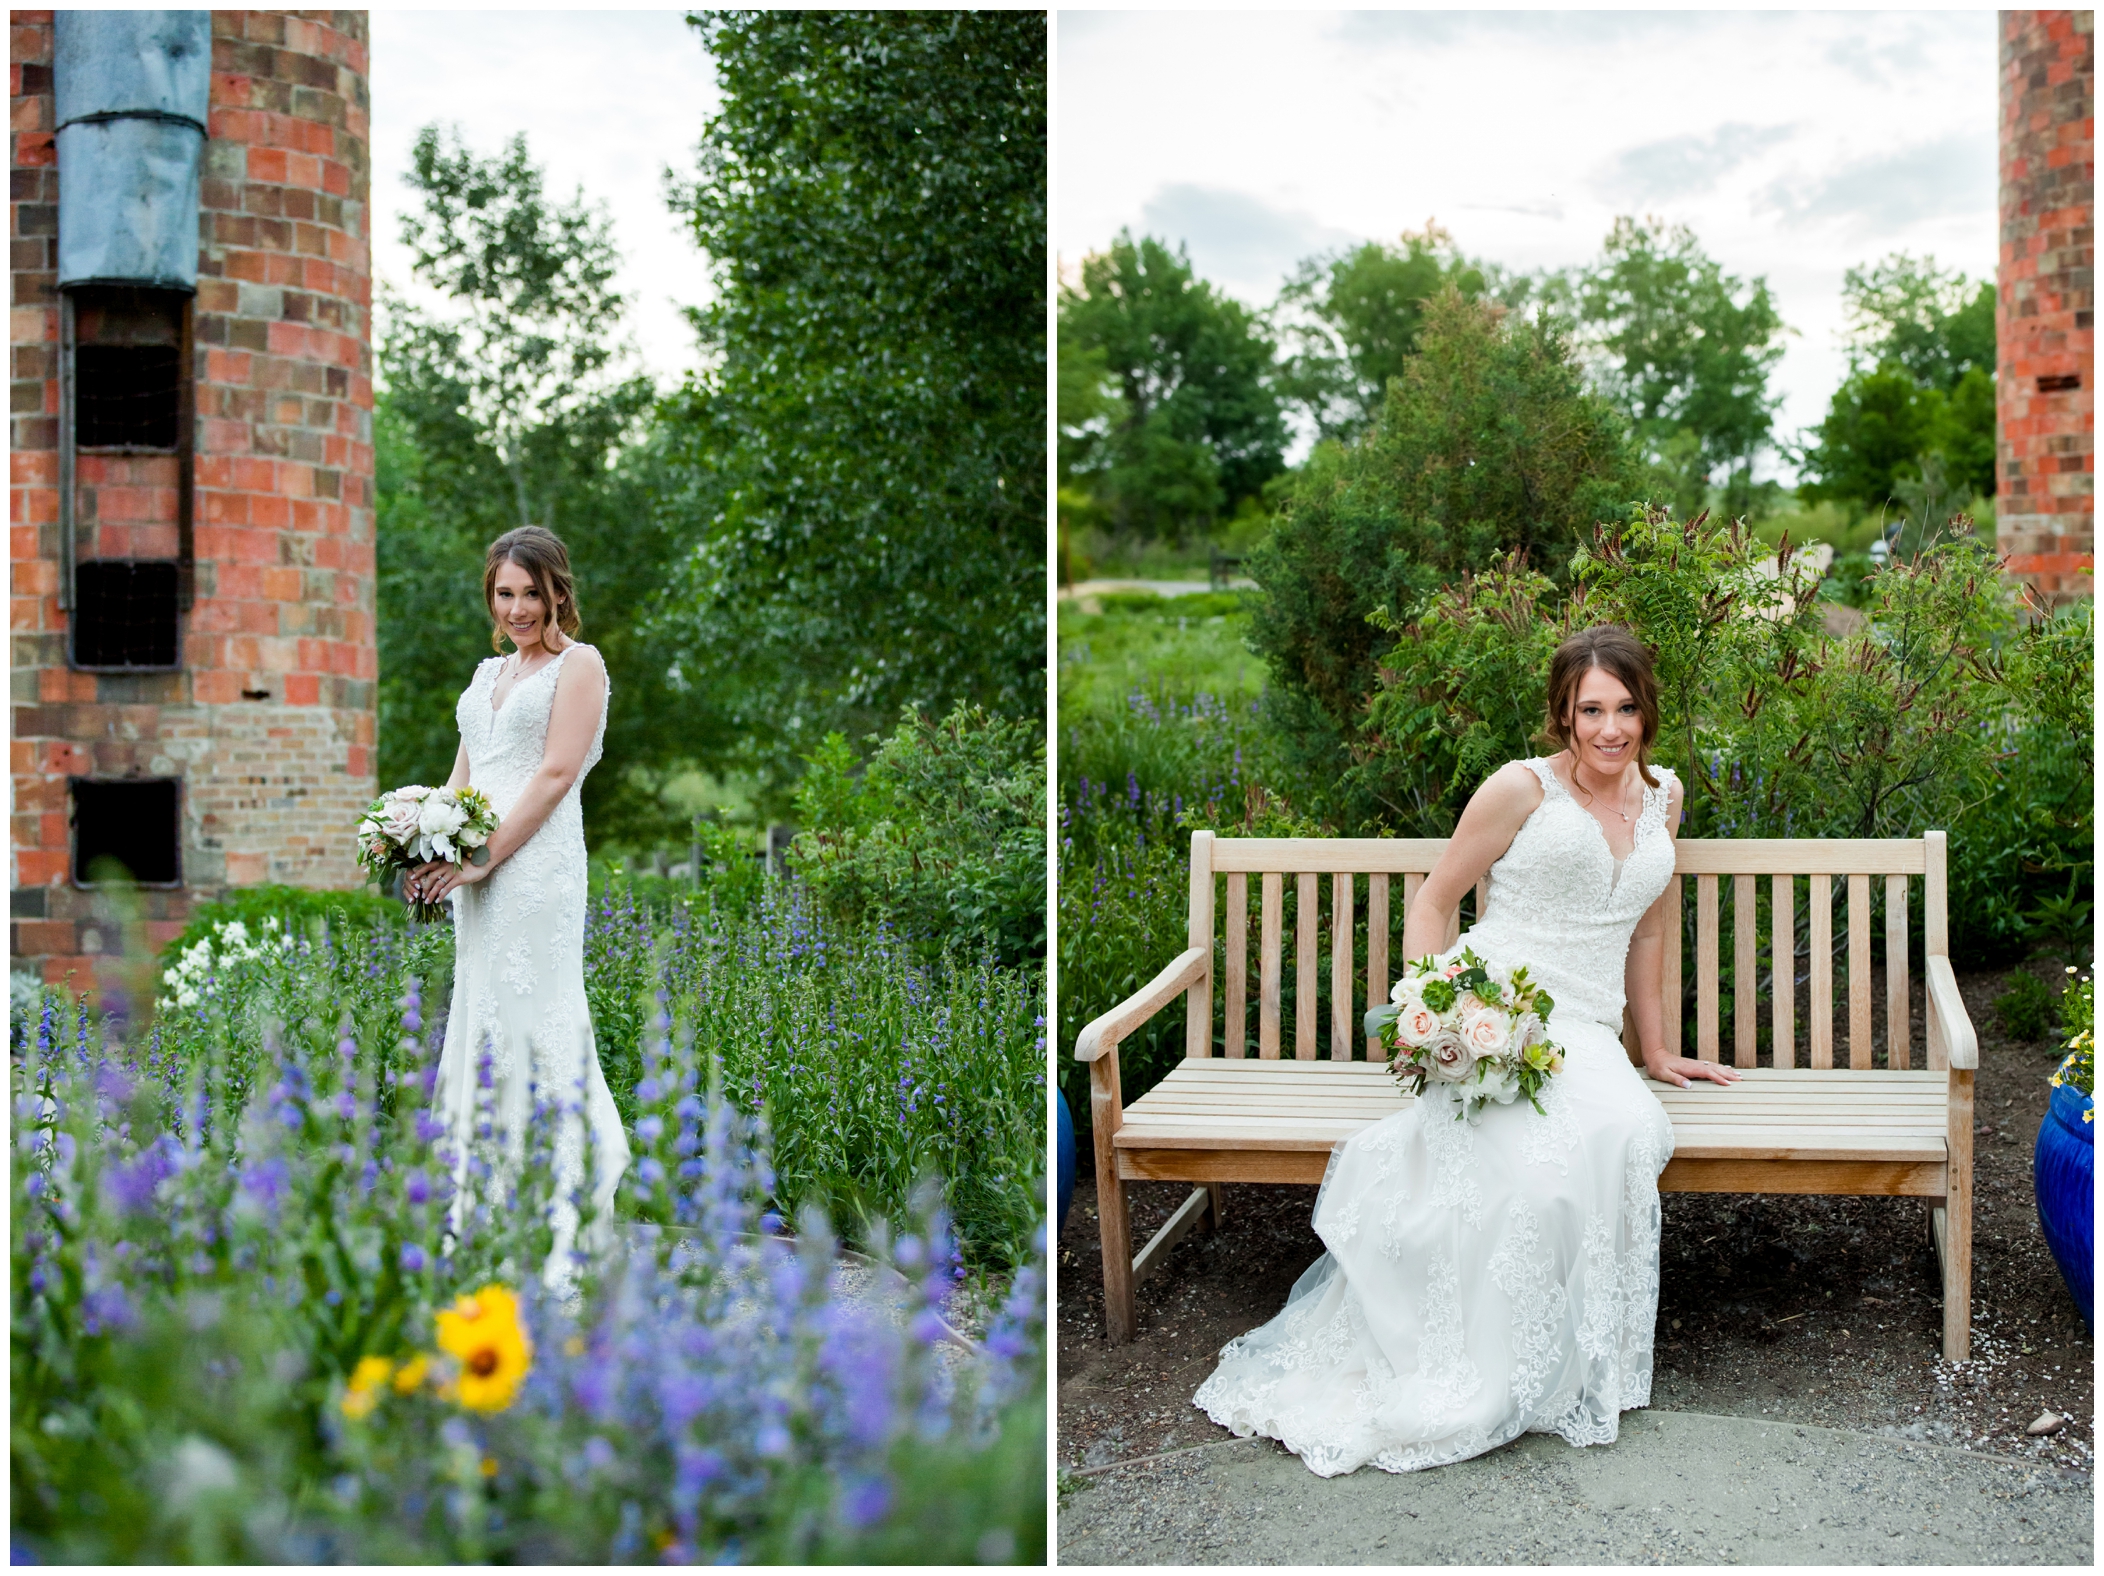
pixel 1799 872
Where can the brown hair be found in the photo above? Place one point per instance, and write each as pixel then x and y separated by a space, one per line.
pixel 541 554
pixel 1612 647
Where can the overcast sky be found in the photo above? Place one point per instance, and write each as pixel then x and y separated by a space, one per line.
pixel 607 99
pixel 1795 144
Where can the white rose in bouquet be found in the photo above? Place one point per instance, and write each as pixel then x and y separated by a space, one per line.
pixel 1448 1059
pixel 1500 1083
pixel 441 817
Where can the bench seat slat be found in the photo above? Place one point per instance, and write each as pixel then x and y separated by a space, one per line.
pixel 1839 1117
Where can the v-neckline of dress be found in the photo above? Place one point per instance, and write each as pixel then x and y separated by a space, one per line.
pixel 1636 826
pixel 496 706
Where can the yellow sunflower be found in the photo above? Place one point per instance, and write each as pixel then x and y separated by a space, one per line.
pixel 483 1334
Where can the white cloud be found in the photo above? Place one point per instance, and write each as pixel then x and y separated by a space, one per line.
pixel 1239 242
pixel 1795 144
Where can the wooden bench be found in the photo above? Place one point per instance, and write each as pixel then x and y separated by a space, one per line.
pixel 1884 1123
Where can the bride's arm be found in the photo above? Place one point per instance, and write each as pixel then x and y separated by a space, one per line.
pixel 459 779
pixel 580 696
pixel 1486 829
pixel 1641 981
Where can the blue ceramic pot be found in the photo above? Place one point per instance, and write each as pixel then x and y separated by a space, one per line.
pixel 1066 1158
pixel 2063 1173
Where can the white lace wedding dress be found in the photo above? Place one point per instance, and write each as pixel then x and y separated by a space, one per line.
pixel 1491 1279
pixel 518 964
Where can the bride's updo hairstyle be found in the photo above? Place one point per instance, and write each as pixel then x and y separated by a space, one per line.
pixel 541 554
pixel 1612 647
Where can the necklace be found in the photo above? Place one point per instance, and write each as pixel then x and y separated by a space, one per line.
pixel 1589 793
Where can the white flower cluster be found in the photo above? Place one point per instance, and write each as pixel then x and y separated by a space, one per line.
pixel 200 970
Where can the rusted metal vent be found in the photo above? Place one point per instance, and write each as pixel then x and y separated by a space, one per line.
pixel 127 396
pixel 125 614
pixel 133 826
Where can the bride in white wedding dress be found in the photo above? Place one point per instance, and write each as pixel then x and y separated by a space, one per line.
pixel 1500 1277
pixel 531 725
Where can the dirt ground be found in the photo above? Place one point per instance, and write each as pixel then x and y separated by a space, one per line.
pixel 1820 1311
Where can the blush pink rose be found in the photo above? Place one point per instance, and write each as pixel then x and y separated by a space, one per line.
pixel 1486 1031
pixel 1416 1025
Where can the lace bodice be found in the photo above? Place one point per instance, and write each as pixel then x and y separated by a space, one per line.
pixel 505 746
pixel 1557 906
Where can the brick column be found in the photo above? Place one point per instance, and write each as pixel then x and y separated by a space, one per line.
pixel 2045 300
pixel 282 640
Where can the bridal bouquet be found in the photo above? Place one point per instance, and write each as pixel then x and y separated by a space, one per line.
pixel 412 826
pixel 1477 1025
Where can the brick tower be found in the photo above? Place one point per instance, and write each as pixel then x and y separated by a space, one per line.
pixel 192 485
pixel 2045 302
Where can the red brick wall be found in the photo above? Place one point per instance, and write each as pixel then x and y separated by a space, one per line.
pixel 271 722
pixel 2046 439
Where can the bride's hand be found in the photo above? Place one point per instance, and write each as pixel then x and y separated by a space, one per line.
pixel 430 883
pixel 1678 1070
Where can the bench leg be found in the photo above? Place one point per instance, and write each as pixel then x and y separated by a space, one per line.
pixel 1118 1316
pixel 1216 1205
pixel 1107 1115
pixel 1955 1238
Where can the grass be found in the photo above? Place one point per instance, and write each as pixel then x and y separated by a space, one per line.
pixel 1186 645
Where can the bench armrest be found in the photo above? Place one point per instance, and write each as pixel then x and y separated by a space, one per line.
pixel 1947 1016
pixel 1103 1034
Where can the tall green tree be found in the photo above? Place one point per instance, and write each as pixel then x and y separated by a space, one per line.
pixel 1915 416
pixel 1353 319
pixel 506 399
pixel 863 459
pixel 1685 350
pixel 1934 323
pixel 1198 427
pixel 1488 443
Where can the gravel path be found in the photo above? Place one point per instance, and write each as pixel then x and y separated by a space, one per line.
pixel 1815 1312
pixel 1678 1488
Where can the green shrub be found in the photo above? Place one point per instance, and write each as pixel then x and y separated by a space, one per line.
pixel 2029 1009
pixel 295 908
pixel 1489 443
pixel 941 835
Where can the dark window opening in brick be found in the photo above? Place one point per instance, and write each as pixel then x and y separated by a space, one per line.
pixel 2059 382
pixel 127 396
pixel 127 368
pixel 125 614
pixel 129 828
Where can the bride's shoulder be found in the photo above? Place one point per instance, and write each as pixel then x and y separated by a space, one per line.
pixel 1668 795
pixel 579 655
pixel 1520 785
